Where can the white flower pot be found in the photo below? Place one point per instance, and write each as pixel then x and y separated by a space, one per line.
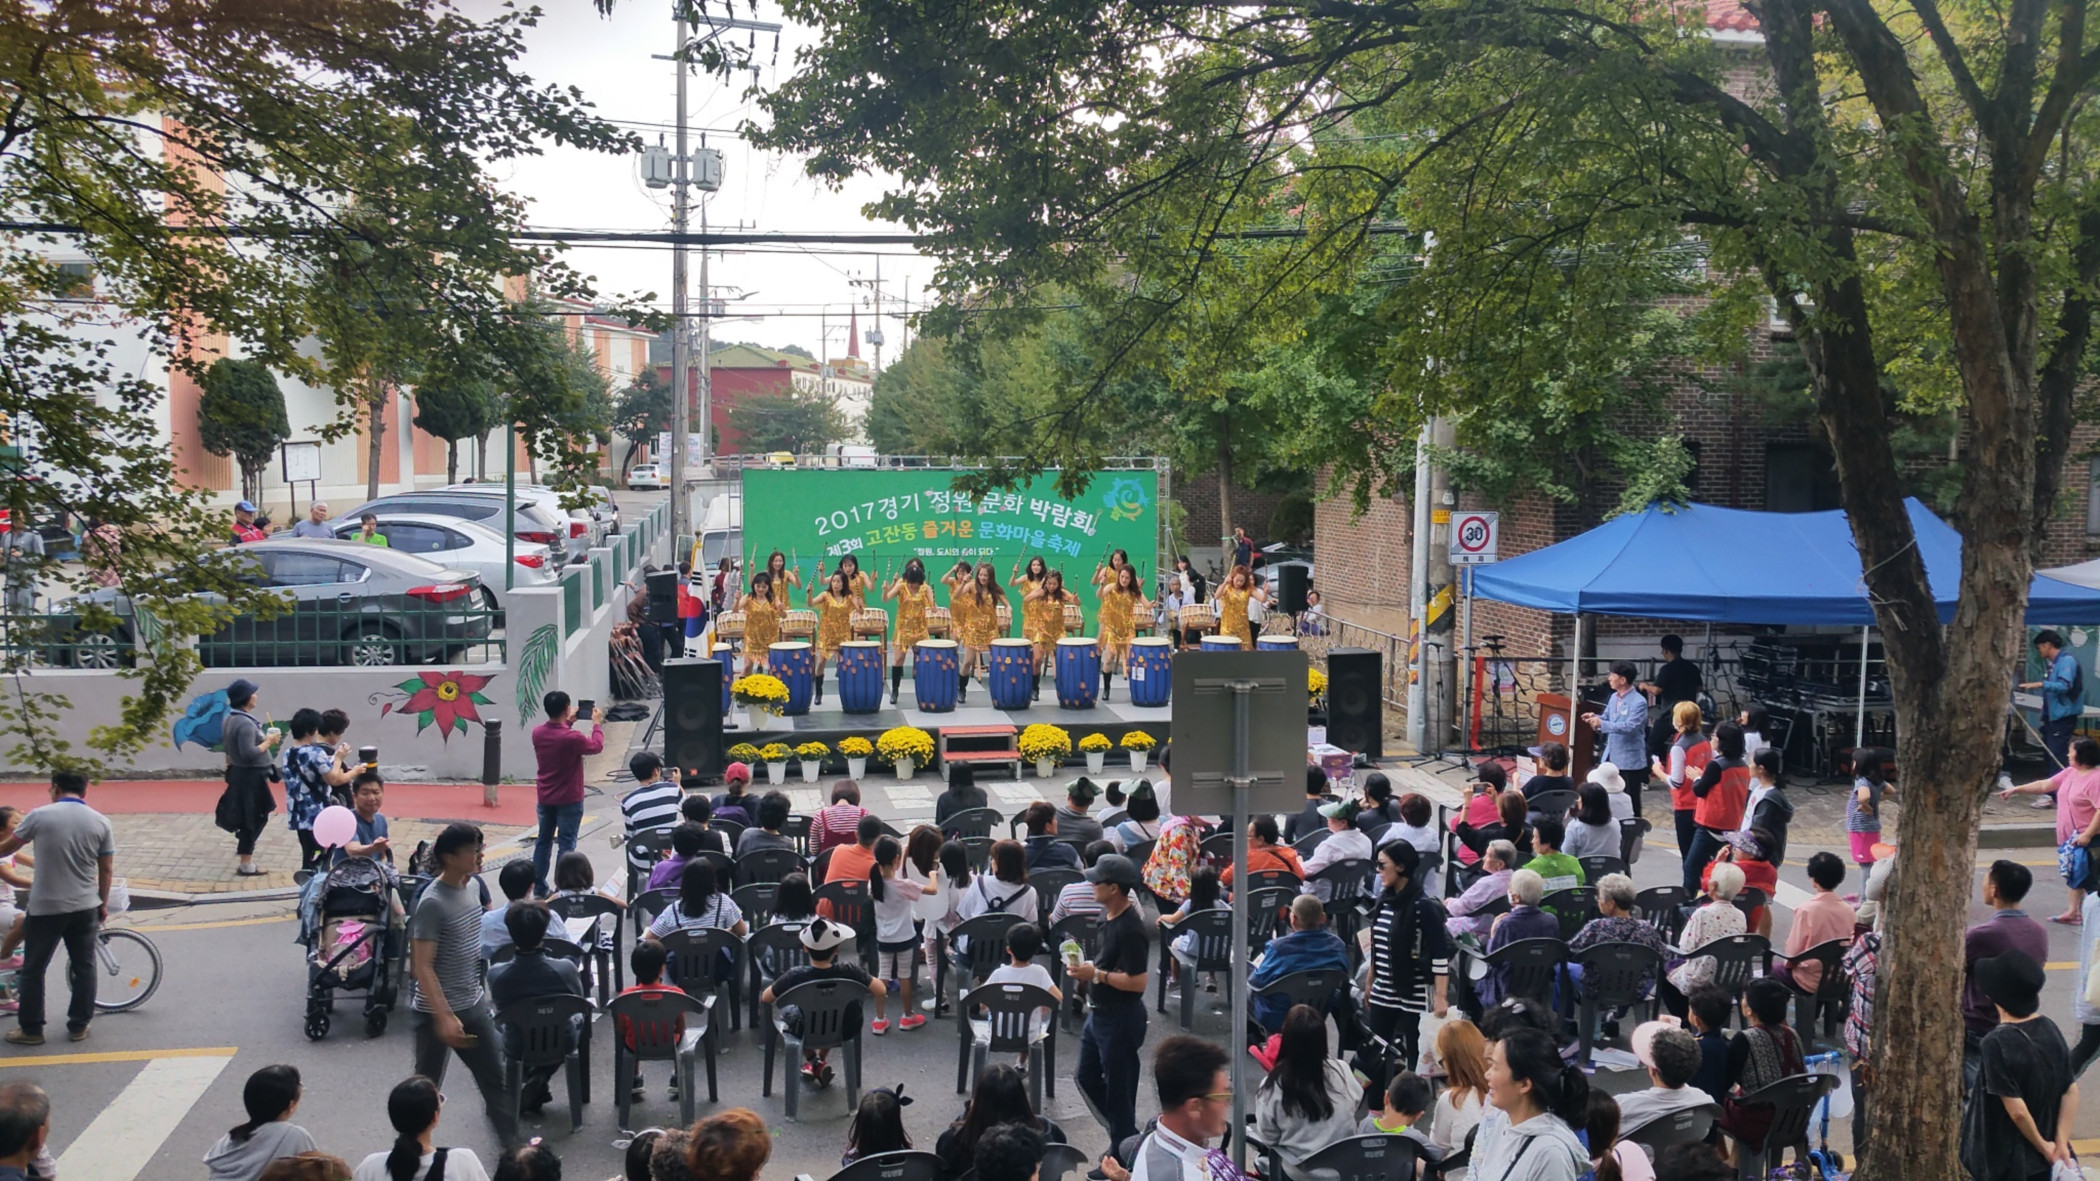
pixel 1094 759
pixel 740 718
pixel 773 720
pixel 1045 768
pixel 777 773
pixel 857 766
pixel 1138 759
pixel 811 768
pixel 906 769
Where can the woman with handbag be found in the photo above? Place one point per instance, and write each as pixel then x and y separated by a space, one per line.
pixel 246 805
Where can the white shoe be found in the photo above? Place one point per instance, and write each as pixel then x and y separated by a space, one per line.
pixel 2043 803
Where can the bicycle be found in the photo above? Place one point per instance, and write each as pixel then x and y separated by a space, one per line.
pixel 130 966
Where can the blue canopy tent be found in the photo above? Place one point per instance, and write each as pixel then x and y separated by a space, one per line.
pixel 1719 565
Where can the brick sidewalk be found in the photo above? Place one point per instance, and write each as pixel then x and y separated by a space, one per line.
pixel 187 854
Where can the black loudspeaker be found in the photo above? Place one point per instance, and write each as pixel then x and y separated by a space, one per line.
pixel 1355 701
pixel 693 718
pixel 663 596
pixel 1291 584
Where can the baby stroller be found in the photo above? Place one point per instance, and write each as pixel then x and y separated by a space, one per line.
pixel 353 936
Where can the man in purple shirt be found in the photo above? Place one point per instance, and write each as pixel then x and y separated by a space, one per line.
pixel 560 751
pixel 2008 929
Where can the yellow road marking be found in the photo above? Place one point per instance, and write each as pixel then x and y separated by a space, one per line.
pixel 276 918
pixel 2064 966
pixel 120 1056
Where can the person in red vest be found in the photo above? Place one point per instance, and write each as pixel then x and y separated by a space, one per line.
pixel 1688 756
pixel 245 528
pixel 1719 795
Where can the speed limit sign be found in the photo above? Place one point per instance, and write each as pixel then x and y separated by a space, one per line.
pixel 1473 537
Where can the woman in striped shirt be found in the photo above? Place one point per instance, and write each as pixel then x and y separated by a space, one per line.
pixel 1410 961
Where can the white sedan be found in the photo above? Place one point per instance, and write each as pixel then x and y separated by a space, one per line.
pixel 646 475
pixel 468 545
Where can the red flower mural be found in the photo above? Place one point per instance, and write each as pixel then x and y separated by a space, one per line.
pixel 446 699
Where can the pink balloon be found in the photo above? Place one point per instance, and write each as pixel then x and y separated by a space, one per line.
pixel 336 826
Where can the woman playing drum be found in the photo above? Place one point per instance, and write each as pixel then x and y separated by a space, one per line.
pixel 1232 605
pixel 1122 604
pixel 963 610
pixel 835 606
pixel 856 582
pixel 1105 576
pixel 761 621
pixel 913 598
pixel 1043 619
pixel 780 577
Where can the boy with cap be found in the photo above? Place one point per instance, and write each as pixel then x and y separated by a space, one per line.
pixel 2017 1121
pixel 1108 1045
pixel 822 939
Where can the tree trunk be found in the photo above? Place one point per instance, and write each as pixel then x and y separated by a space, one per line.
pixel 481 455
pixel 452 461
pixel 1225 521
pixel 375 427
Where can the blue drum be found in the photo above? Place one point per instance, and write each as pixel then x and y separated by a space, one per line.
pixel 1275 643
pixel 1151 671
pixel 936 674
pixel 1078 671
pixel 1221 644
pixel 728 660
pixel 860 676
pixel 1011 669
pixel 795 663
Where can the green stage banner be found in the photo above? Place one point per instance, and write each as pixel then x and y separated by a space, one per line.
pixel 885 516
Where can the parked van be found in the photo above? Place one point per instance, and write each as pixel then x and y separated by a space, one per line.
pixel 720 533
pixel 848 455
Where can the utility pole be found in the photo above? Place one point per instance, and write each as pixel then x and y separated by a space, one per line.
pixel 1431 594
pixel 681 530
pixel 707 310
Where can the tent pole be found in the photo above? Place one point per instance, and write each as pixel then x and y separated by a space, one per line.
pixel 1859 723
pixel 1575 659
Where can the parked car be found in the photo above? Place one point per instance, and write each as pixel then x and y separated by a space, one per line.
pixel 647 475
pixel 482 503
pixel 467 545
pixel 350 603
pixel 585 527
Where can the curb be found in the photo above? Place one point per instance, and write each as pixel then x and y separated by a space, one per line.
pixel 168 899
pixel 2017 836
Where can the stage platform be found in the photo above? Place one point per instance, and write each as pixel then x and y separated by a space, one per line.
pixel 828 723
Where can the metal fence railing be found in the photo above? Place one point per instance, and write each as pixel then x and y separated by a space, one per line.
pixel 1318 635
pixel 459 627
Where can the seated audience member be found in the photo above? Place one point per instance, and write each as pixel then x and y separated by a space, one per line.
pixel 697 809
pixel 822 939
pixel 1746 851
pixel 1491 887
pixel 1308 1100
pixel 1692 1162
pixel 413 1107
pixel 1821 919
pixel 701 903
pixel 1407 1104
pixel 307 1166
pixel 686 842
pixel 271 1097
pixel 25 1126
pixel 1309 819
pixel 652 804
pixel 1524 921
pixel 729 1146
pixel 1045 851
pixel 1508 825
pixel 1482 805
pixel 1264 854
pixel 878 1125
pixel 1549 761
pixel 1380 811
pixel 1717 919
pixel 999 1098
pixel 1613 781
pixel 1345 842
pixel 1592 831
pixel 367 796
pixel 961 795
pixel 1629 1161
pixel 1074 822
pixel 1706 1015
pixel 765 833
pixel 647 963
pixel 1759 1056
pixel 515 880
pixel 1024 945
pixel 528 1162
pixel 667 1160
pixel 838 823
pixel 1672 1057
pixel 1560 871
pixel 1308 947
pixel 1078 897
pixel 734 803
pixel 531 974
pixel 1009 1152
pixel 1615 924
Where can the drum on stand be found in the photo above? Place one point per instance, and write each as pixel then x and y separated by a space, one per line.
pixel 1011 669
pixel 1272 643
pixel 860 676
pixel 1151 670
pixel 729 625
pixel 795 663
pixel 1078 671
pixel 1221 644
pixel 939 623
pixel 1075 619
pixel 1006 618
pixel 728 659
pixel 798 625
pixel 1198 618
pixel 871 622
pixel 936 674
pixel 1276 623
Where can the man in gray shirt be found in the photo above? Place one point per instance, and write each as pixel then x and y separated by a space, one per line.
pixel 316 522
pixel 75 857
pixel 450 1012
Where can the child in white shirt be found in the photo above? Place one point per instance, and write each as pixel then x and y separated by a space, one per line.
pixel 896 931
pixel 1023 943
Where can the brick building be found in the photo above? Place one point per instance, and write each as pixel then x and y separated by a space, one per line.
pixel 740 371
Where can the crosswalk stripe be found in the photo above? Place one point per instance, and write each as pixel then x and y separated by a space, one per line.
pixel 121 1141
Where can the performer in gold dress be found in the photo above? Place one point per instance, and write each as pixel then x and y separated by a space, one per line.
pixel 781 576
pixel 1122 604
pixel 913 598
pixel 1232 605
pixel 835 606
pixel 856 582
pixel 1043 620
pixel 1105 576
pixel 962 619
pixel 761 621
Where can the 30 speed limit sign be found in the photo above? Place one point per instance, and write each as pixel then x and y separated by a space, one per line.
pixel 1473 537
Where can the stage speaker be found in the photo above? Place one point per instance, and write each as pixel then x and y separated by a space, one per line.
pixel 1291 584
pixel 1355 701
pixel 693 718
pixel 663 596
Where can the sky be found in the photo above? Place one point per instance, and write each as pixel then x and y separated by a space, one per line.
pixel 802 295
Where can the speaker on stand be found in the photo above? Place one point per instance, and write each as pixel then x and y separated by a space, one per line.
pixel 1292 583
pixel 692 719
pixel 1356 701
pixel 663 596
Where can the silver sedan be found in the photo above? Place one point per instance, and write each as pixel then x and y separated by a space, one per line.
pixel 467 545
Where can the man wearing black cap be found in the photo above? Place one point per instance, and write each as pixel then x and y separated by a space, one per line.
pixel 2017 1121
pixel 1108 1045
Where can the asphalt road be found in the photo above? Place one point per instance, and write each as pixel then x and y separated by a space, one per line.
pixel 150 1091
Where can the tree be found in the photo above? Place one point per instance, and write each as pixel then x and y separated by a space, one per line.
pixel 199 167
pixel 802 423
pixel 642 413
pixel 241 413
pixel 452 406
pixel 1494 203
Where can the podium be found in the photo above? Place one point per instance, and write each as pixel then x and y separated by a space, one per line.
pixel 1560 721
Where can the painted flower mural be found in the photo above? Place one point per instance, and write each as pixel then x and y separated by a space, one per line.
pixel 447 700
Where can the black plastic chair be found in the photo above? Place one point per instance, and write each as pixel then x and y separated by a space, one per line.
pixel 1689 1126
pixel 976 947
pixel 1060 1159
pixel 666 1027
pixel 768 865
pixel 1307 844
pixel 797 830
pixel 1268 914
pixel 978 850
pixel 647 905
pixel 1633 833
pixel 1793 1100
pixel 1216 848
pixel 1750 901
pixel 1737 958
pixel 907 1165
pixel 1824 1005
pixel 1141 852
pixel 1269 879
pixel 822 1005
pixel 1531 966
pixel 851 907
pixel 1316 988
pixel 1662 907
pixel 730 830
pixel 706 962
pixel 769 951
pixel 611 964
pixel 1007 1027
pixel 1614 975
pixel 650 844
pixel 549 1031
pixel 1210 950
pixel 1597 865
pixel 756 900
pixel 972 822
pixel 1083 929
pixel 725 865
pixel 1376 1157
pixel 1345 893
pixel 1048 884
pixel 1574 907
pixel 1554 804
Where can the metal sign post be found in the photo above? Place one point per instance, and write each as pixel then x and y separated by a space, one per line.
pixel 1214 714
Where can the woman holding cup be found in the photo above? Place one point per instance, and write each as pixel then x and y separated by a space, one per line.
pixel 250 744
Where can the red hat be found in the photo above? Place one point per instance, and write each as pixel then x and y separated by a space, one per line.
pixel 737 771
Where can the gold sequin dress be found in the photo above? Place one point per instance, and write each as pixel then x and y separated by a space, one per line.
pixel 912 602
pixel 1232 615
pixel 834 622
pixel 1043 621
pixel 1118 611
pixel 761 626
pixel 975 625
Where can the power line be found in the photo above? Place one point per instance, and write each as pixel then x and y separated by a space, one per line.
pixel 704 238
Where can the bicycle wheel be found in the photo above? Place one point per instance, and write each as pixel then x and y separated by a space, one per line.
pixel 130 970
